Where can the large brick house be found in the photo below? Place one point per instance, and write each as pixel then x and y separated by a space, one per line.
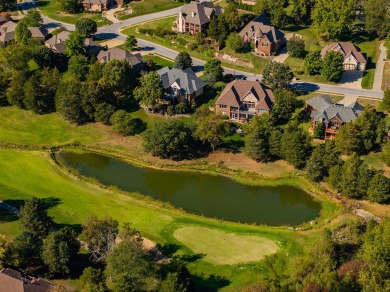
pixel 241 100
pixel 353 58
pixel 183 85
pixel 195 16
pixel 266 38
pixel 331 115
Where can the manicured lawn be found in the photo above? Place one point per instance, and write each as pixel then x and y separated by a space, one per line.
pixel 371 50
pixel 386 76
pixel 222 248
pixel 51 9
pixel 24 127
pixel 150 6
pixel 26 174
pixel 159 61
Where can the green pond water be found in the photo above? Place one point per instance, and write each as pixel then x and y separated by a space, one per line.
pixel 211 196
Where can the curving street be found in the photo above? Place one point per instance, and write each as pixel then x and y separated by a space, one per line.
pixel 112 31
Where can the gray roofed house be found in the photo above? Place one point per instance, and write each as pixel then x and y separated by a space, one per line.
pixel 266 38
pixel 135 60
pixel 195 16
pixel 242 99
pixel 7 32
pixel 353 58
pixel 11 280
pixel 331 115
pixel 38 32
pixel 56 42
pixel 181 84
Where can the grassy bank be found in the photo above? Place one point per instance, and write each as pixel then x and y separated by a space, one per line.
pixel 71 200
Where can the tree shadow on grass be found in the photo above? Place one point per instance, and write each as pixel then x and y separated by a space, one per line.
pixel 51 202
pixel 77 228
pixel 14 203
pixel 168 249
pixel 210 283
pixel 191 258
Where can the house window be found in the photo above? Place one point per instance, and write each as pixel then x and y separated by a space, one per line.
pixel 262 111
pixel 249 104
pixel 223 113
pixel 222 106
pixel 234 108
pixel 264 44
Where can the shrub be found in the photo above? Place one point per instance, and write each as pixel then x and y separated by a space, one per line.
pixel 123 123
pixel 296 46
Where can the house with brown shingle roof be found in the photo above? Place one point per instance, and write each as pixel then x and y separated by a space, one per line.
pixel 99 5
pixel 195 16
pixel 11 280
pixel 7 32
pixel 135 60
pixel 353 58
pixel 266 39
pixel 241 100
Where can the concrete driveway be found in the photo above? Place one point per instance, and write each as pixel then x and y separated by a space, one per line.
pixel 380 65
pixel 283 53
pixel 352 79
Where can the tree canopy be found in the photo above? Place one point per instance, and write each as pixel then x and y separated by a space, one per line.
pixel 86 27
pixel 182 61
pixel 277 75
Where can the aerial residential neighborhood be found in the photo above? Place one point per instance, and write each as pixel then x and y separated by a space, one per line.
pixel 178 145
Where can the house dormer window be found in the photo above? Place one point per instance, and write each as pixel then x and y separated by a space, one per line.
pixel 264 44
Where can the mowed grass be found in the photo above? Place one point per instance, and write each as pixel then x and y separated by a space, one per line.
pixel 51 8
pixel 24 127
pixel 150 6
pixel 223 248
pixel 371 51
pixel 386 76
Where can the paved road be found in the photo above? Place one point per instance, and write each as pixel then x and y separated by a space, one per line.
pixel 380 65
pixel 113 31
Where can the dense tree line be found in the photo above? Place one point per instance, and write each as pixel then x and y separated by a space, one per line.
pixel 351 257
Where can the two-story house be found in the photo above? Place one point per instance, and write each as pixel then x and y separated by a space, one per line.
pixel 266 38
pixel 195 16
pixel 241 100
pixel 183 85
pixel 135 60
pixel 100 5
pixel 331 115
pixel 353 58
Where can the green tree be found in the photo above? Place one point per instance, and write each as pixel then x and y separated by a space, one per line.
pixel 92 280
pixel 34 217
pixel 123 123
pixel 103 113
pixel 25 251
pixel 60 250
pixel 296 146
pixel 4 246
pixel 302 10
pixel 86 27
pixel 283 107
pixel 6 5
pixel 15 57
pixel 379 188
pixel 376 17
pixel 257 140
pixel 78 65
pixel 213 71
pixel 172 283
pixel 313 63
pixel 210 127
pixel 100 234
pixel 234 42
pixel 169 139
pixel 43 56
pixel 333 19
pixel 296 46
pixel 118 79
pixel 351 177
pixel 332 66
pixel 348 140
pixel 128 267
pixel 182 61
pixel 74 45
pixel 15 93
pixel 131 42
pixel 22 33
pixel 315 167
pixel 334 177
pixel 385 103
pixel 69 101
pixel 385 155
pixel 70 6
pixel 375 252
pixel 150 89
pixel 319 131
pixel 33 18
pixel 275 143
pixel 277 75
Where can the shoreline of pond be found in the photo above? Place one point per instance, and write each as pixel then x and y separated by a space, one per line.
pixel 329 210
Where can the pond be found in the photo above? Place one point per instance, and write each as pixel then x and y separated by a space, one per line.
pixel 208 195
